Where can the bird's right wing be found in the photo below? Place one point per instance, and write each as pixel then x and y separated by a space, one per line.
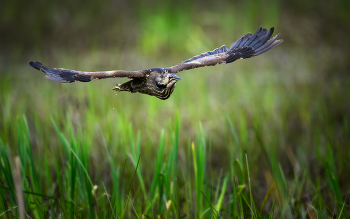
pixel 249 45
pixel 68 76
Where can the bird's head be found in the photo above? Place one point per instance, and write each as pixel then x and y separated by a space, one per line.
pixel 167 80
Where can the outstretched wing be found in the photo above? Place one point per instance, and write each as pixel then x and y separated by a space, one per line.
pixel 247 46
pixel 68 76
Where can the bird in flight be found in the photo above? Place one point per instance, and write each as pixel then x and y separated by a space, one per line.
pixel 161 82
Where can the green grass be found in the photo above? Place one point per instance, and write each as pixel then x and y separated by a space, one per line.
pixel 86 152
pixel 266 137
pixel 71 180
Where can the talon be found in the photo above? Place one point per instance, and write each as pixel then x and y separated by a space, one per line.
pixel 117 87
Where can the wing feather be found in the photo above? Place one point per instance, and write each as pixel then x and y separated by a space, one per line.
pixel 248 46
pixel 68 76
pixel 222 49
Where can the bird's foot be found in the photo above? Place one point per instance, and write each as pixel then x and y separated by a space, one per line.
pixel 117 87
pixel 122 87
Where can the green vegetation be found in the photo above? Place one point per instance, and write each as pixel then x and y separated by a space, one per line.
pixel 266 137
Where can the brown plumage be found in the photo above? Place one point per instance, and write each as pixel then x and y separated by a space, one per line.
pixel 161 82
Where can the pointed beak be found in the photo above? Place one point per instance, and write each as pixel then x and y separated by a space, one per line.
pixel 174 76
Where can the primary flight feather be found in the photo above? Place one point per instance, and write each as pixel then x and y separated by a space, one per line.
pixel 161 82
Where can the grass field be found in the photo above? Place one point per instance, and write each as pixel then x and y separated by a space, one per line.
pixel 79 146
pixel 267 137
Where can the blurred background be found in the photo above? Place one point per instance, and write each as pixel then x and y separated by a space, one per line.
pixel 296 95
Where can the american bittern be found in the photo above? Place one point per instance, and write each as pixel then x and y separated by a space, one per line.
pixel 161 82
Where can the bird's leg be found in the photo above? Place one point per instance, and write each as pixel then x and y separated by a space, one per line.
pixel 117 87
pixel 123 87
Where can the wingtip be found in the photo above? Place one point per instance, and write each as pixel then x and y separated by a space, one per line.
pixel 35 64
pixel 279 41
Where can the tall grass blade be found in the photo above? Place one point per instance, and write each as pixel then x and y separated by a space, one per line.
pixel 222 194
pixel 17 178
pixel 252 206
pixel 129 190
pixel 65 143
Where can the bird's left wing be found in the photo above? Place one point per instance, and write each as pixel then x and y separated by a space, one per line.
pixel 68 76
pixel 249 45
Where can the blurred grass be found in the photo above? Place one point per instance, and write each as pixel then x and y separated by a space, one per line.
pixel 287 109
